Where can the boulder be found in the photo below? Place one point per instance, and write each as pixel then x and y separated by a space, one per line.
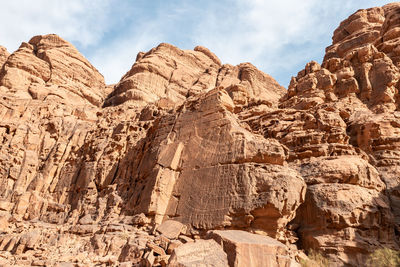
pixel 171 229
pixel 199 253
pixel 184 145
pixel 246 249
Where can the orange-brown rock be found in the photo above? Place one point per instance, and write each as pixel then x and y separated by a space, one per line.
pixel 183 144
pixel 199 253
pixel 348 138
pixel 3 55
pixel 166 72
pixel 246 249
pixel 68 161
pixel 169 75
pixel 50 67
pixel 189 172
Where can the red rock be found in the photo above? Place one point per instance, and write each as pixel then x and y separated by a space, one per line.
pixel 174 244
pixel 156 249
pixel 246 249
pixel 148 259
pixel 50 67
pixel 3 55
pixel 181 137
pixel 201 252
pixel 171 229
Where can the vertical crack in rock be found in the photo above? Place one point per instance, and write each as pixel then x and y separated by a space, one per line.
pixel 183 144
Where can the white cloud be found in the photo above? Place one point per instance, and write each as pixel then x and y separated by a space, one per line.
pixel 114 60
pixel 279 37
pixel 81 21
pixel 258 32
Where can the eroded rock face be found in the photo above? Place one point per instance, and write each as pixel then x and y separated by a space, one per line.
pixel 246 249
pixel 3 55
pixel 68 161
pixel 166 72
pixel 50 67
pixel 170 75
pixel 185 144
pixel 240 182
pixel 351 201
pixel 202 252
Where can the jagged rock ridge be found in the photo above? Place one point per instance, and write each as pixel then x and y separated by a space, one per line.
pixel 211 146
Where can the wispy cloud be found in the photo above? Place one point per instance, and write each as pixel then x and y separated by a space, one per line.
pixel 279 37
pixel 115 59
pixel 80 21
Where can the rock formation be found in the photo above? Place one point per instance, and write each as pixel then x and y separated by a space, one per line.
pixel 140 172
pixel 3 55
pixel 47 67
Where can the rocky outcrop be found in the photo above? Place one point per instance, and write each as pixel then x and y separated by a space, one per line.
pixel 50 67
pixel 3 55
pixel 166 72
pixel 168 75
pixel 68 161
pixel 351 201
pixel 202 252
pixel 183 144
pixel 245 249
pixel 191 172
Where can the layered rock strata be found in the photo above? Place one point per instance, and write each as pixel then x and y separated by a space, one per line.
pixel 185 144
pixel 3 55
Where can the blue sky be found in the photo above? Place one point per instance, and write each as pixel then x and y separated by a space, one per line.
pixel 278 37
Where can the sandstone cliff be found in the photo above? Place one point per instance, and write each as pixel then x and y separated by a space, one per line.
pixel 89 171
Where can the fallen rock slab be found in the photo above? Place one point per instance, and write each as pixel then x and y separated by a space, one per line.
pixel 171 229
pixel 246 249
pixel 173 245
pixel 199 253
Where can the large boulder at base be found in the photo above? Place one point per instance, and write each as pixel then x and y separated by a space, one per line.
pixel 247 249
pixel 199 253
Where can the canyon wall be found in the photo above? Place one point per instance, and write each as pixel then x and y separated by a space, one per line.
pixel 212 146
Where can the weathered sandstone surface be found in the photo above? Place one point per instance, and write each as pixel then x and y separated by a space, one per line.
pixel 3 55
pixel 188 161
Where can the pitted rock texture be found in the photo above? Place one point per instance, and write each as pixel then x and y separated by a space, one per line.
pixel 48 67
pixel 185 144
pixel 3 55
pixel 168 75
pixel 348 137
pixel 245 249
